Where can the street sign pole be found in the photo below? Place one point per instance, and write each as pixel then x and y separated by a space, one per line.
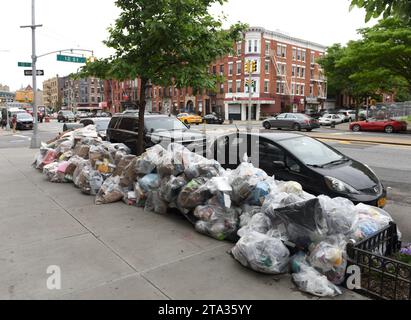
pixel 35 141
pixel 250 95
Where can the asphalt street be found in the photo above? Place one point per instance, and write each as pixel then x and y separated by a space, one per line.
pixel 390 162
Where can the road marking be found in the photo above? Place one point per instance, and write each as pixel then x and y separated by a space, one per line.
pixel 20 136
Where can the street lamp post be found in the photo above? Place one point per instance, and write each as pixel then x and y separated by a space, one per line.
pixel 35 142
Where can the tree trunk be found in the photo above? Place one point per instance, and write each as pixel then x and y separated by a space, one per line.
pixel 141 111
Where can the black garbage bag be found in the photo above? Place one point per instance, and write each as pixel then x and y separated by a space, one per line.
pixel 304 221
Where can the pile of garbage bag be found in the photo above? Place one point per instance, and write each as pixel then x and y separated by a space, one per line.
pixel 276 225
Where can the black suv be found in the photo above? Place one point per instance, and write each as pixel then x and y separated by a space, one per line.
pixel 158 129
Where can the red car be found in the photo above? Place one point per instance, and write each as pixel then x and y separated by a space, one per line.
pixel 388 126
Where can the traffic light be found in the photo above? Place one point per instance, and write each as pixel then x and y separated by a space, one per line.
pixel 254 66
pixel 253 83
pixel 247 66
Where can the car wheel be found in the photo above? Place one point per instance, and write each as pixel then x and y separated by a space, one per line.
pixel 267 125
pixel 297 127
pixel 356 128
pixel 389 129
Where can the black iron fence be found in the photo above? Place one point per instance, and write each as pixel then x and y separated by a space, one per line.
pixel 382 276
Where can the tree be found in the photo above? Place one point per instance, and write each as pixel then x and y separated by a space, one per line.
pixel 379 62
pixel 388 8
pixel 166 43
pixel 382 58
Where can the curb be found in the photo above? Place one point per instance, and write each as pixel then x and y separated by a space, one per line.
pixel 407 144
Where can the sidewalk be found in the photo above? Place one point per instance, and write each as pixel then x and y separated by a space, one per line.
pixel 111 251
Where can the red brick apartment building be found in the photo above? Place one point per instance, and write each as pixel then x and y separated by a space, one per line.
pixel 287 80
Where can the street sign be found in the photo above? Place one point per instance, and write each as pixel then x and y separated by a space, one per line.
pixel 24 64
pixel 73 59
pixel 30 72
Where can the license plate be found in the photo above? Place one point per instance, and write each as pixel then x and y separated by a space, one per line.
pixel 382 202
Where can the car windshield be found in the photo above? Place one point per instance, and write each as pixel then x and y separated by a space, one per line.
pixel 311 152
pixel 102 125
pixel 164 124
pixel 24 116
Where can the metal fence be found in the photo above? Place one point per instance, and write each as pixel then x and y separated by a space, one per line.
pixel 393 110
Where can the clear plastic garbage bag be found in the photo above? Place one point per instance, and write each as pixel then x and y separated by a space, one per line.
pixel 110 191
pixel 262 253
pixel 258 223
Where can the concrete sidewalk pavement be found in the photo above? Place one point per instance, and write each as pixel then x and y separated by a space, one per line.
pixel 111 251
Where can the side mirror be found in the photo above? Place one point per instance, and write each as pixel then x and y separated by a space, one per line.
pixel 279 164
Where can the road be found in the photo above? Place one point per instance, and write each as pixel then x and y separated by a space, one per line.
pixel 390 162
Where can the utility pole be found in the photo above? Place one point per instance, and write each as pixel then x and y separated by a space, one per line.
pixel 35 142
pixel 250 96
pixel 250 67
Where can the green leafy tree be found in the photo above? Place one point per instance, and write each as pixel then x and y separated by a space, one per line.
pixel 387 8
pixel 165 42
pixel 379 62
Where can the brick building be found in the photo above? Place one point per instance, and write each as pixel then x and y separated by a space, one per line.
pixel 83 94
pixel 287 79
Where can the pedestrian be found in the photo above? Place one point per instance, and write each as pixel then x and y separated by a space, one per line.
pixel 3 123
pixel 14 123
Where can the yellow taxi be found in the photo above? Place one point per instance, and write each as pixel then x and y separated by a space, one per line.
pixel 190 118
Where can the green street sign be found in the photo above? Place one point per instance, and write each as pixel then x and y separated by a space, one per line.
pixel 72 59
pixel 24 64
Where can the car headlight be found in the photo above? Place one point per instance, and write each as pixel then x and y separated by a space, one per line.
pixel 339 186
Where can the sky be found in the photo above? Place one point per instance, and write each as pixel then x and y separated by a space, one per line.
pixel 82 24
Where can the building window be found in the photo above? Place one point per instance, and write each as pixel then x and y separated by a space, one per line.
pixel 302 89
pixel 266 86
pixel 312 58
pixel 230 87
pixel 221 69
pixel 280 87
pixel 267 48
pixel 293 71
pixel 239 67
pixel 303 73
pixel 298 54
pixel 239 48
pixel 230 69
pixel 238 86
pixel 303 56
pixel 311 90
pixel 294 54
pixel 281 50
pixel 214 70
pixel 222 88
pixel 250 44
pixel 255 45
pixel 267 66
pixel 280 69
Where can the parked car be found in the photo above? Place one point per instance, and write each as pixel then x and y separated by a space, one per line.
pixel 66 116
pixel 313 114
pixel 353 114
pixel 319 168
pixel 329 119
pixel 293 121
pixel 164 129
pixel 24 121
pixel 345 115
pixel 387 126
pixel 213 119
pixel 100 123
pixel 190 118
